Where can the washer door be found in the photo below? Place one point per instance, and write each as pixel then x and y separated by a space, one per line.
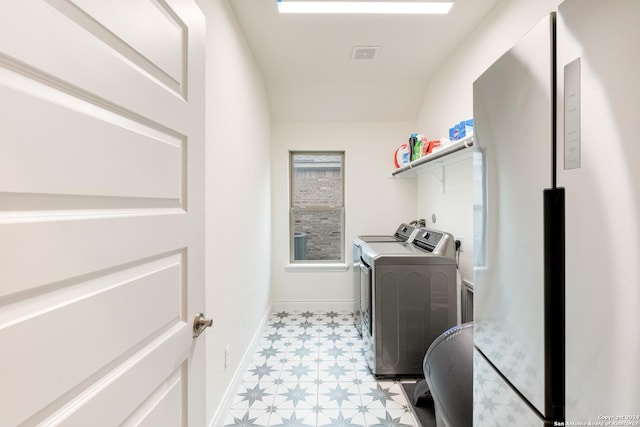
pixel 365 298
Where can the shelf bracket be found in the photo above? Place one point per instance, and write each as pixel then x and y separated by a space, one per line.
pixel 440 177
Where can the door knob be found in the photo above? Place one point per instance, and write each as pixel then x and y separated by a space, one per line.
pixel 200 324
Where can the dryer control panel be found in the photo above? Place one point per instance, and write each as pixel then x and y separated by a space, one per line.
pixel 437 242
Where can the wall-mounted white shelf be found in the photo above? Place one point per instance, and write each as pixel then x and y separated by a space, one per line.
pixel 454 152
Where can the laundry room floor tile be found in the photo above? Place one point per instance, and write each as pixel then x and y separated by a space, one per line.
pixel 309 370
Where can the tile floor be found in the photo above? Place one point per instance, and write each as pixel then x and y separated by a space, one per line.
pixel 309 370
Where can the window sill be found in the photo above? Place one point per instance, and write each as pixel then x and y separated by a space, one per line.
pixel 301 267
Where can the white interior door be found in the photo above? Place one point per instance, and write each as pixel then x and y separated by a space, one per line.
pixel 101 212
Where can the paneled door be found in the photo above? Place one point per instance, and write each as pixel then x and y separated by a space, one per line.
pixel 101 212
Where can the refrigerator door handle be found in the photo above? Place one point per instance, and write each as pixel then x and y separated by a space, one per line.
pixel 554 300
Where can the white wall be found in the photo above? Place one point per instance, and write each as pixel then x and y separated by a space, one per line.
pixel 449 99
pixel 375 203
pixel 237 198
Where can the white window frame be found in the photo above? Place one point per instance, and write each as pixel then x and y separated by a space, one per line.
pixel 316 265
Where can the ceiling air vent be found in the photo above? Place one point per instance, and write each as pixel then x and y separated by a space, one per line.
pixel 364 53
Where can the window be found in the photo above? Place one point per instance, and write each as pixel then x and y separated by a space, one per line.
pixel 317 207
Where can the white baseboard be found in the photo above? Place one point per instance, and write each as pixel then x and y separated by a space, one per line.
pixel 339 305
pixel 224 407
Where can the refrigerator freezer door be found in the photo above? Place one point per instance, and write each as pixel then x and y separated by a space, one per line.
pixel 602 209
pixel 494 401
pixel 512 104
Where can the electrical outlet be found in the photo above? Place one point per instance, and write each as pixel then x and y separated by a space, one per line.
pixel 461 240
pixel 227 356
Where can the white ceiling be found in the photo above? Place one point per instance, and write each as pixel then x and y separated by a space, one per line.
pixel 306 59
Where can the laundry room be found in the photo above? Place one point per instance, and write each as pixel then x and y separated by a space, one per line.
pixel 234 214
pixel 312 114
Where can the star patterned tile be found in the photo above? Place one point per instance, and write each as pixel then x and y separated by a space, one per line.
pixel 309 370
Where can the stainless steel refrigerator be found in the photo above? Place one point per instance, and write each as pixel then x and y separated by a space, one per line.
pixel 557 223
